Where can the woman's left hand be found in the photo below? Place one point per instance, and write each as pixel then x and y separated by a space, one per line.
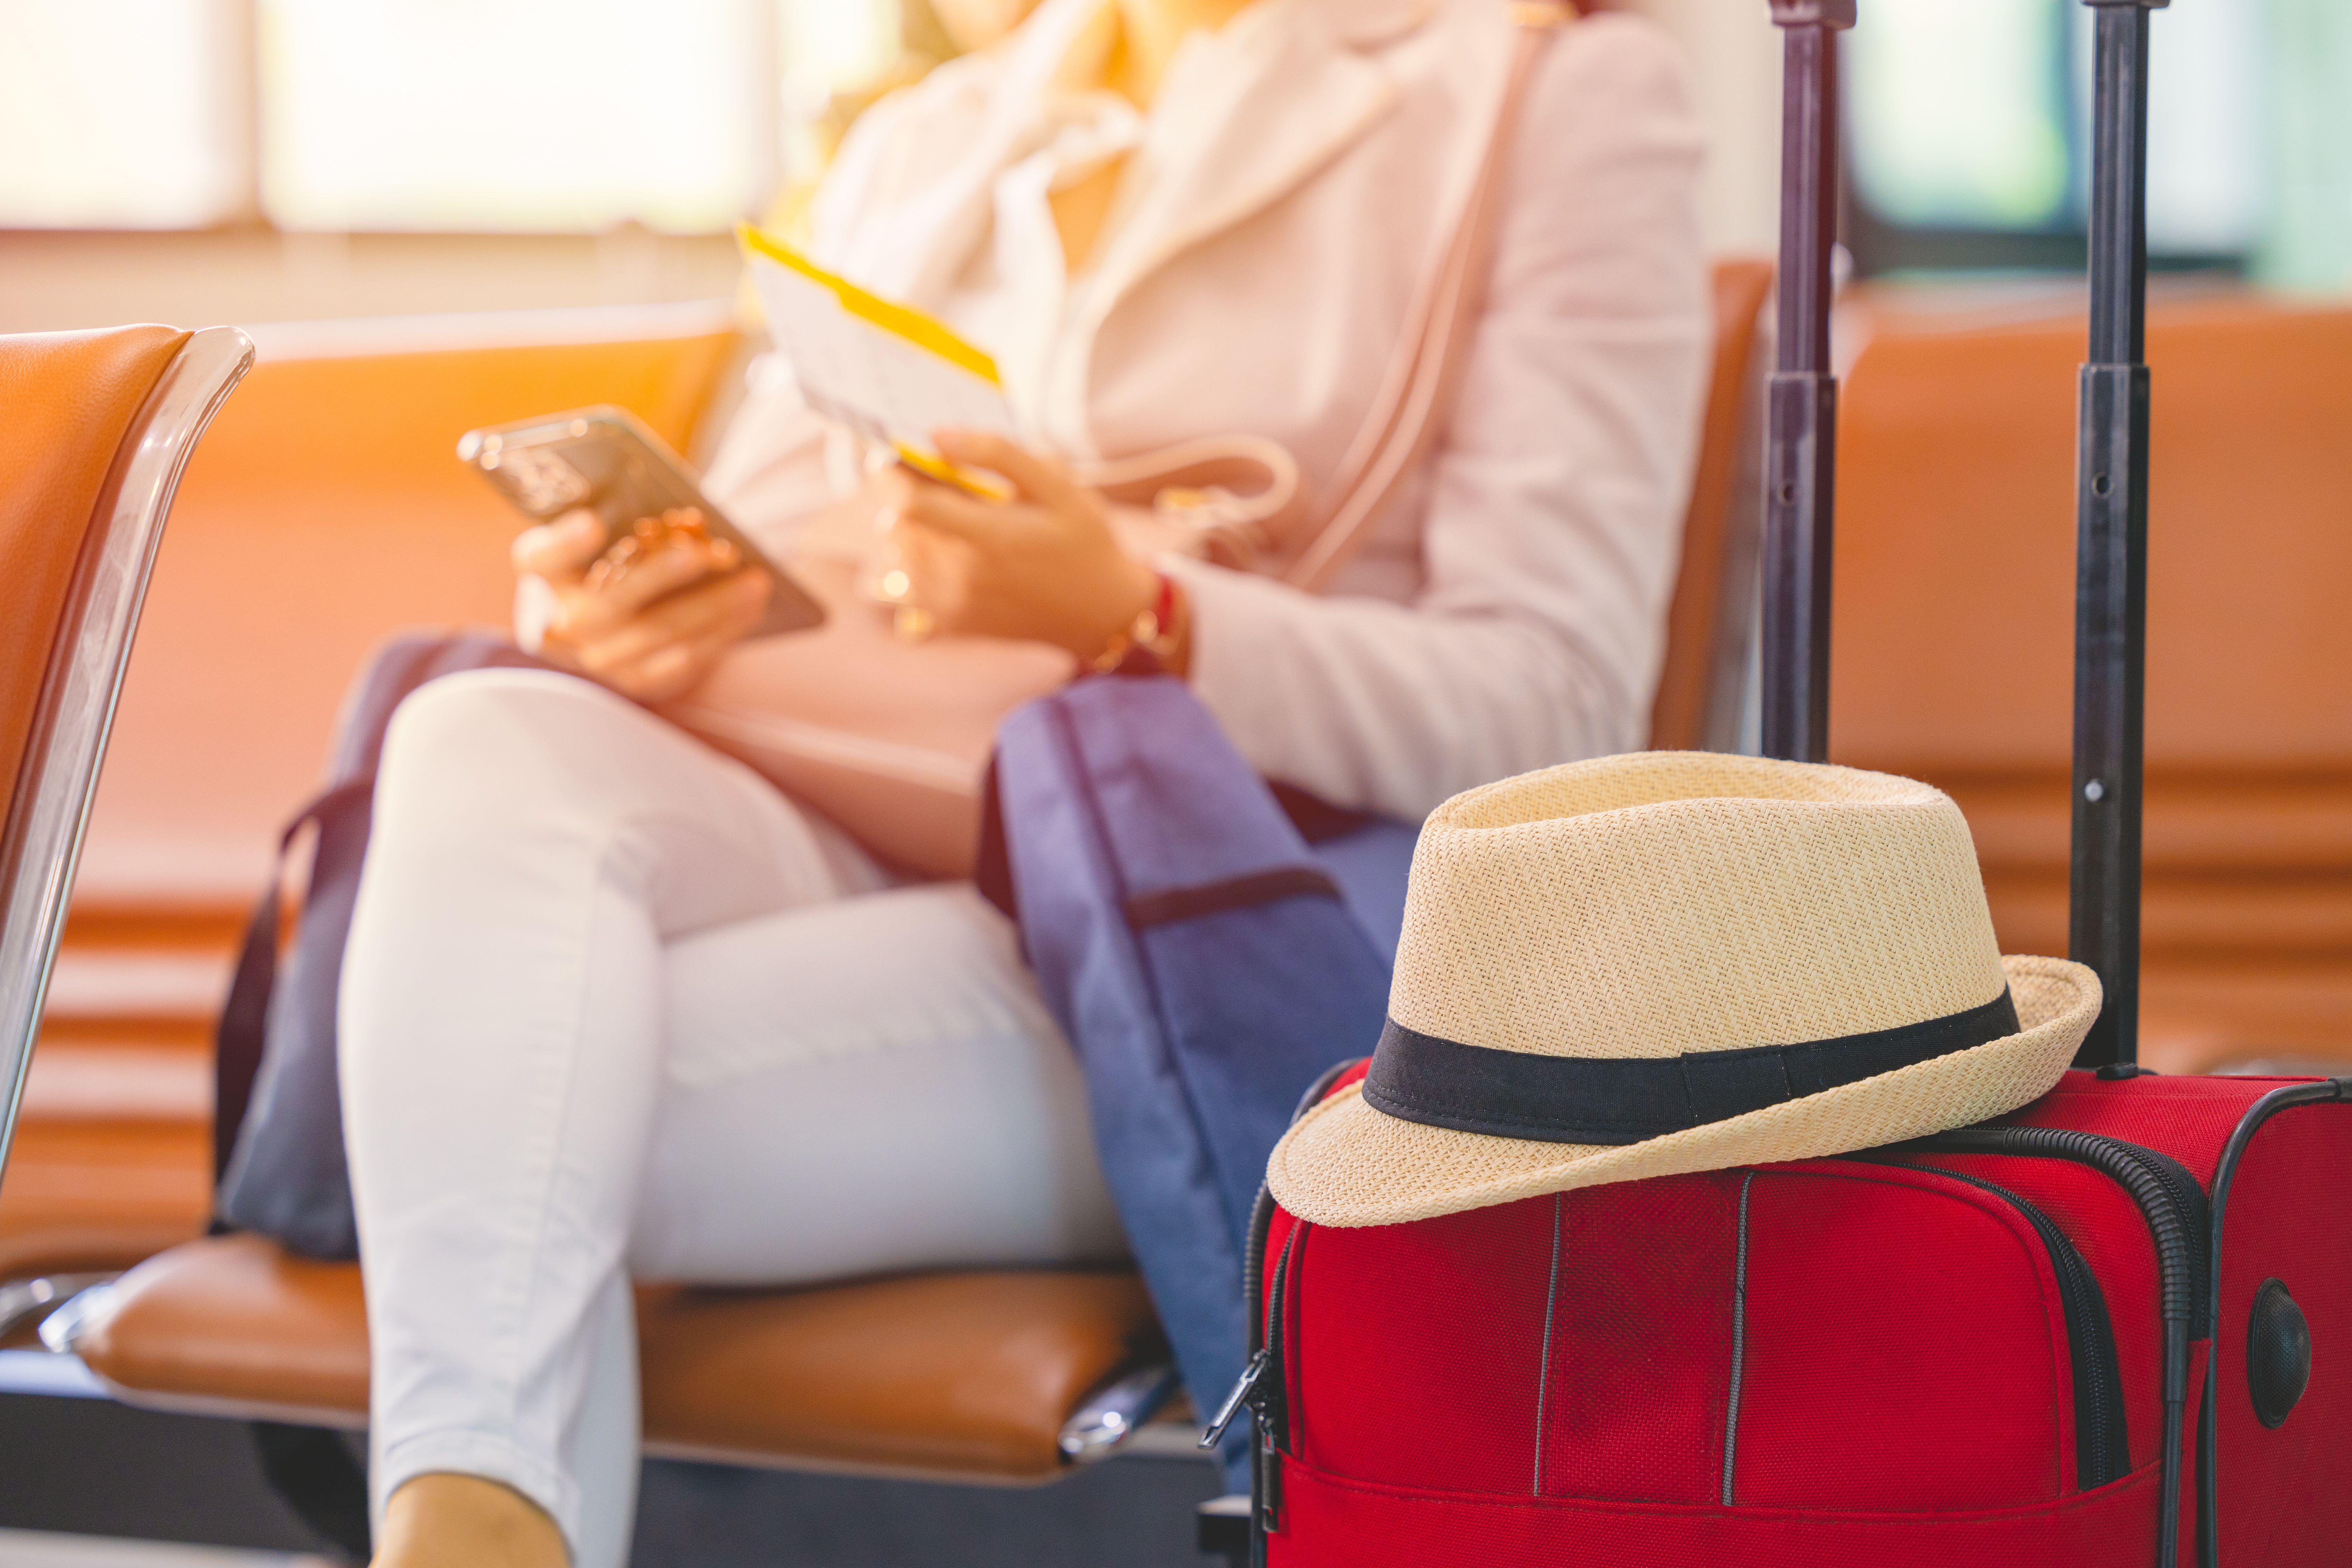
pixel 1046 566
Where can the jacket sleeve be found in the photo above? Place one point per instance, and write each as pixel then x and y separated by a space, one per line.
pixel 1554 500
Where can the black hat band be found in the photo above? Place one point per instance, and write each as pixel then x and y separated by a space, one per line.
pixel 1619 1099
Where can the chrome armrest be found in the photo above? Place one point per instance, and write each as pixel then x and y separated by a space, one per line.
pixel 1110 1414
pixel 63 1327
pixel 40 841
pixel 22 1300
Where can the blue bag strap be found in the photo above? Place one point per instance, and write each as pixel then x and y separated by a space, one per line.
pixel 244 1020
pixel 397 668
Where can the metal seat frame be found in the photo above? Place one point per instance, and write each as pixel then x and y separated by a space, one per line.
pixel 48 812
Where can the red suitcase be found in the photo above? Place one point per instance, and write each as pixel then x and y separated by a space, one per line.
pixel 1997 1345
pixel 2114 1328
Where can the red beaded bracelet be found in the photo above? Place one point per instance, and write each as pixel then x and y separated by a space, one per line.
pixel 1158 631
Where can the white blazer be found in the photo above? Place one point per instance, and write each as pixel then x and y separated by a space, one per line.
pixel 1299 173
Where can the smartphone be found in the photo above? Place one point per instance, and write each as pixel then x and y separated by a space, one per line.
pixel 605 460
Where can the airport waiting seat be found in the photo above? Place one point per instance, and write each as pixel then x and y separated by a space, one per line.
pixel 1954 625
pixel 323 511
pixel 1002 1376
pixel 326 512
pixel 100 427
pixel 1703 683
pixel 952 1376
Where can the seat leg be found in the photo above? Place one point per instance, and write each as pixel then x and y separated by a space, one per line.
pixel 1224 1528
pixel 312 1471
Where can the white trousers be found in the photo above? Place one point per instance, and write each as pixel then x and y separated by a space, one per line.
pixel 612 1006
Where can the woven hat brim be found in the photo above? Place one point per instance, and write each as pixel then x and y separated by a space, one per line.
pixel 1346 1164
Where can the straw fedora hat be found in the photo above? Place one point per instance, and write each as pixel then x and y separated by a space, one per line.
pixel 1675 961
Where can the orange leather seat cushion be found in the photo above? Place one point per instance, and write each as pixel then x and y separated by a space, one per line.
pixel 70 397
pixel 100 1195
pixel 965 1376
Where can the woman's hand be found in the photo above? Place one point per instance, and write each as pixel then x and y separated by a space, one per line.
pixel 1043 567
pixel 605 623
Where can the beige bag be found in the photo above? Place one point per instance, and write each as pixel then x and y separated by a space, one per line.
pixel 891 739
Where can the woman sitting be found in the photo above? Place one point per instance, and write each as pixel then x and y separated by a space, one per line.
pixel 614 1006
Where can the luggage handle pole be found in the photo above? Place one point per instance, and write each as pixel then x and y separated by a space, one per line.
pixel 1800 464
pixel 2111 541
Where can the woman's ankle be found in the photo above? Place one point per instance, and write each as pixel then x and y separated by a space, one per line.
pixel 450 1521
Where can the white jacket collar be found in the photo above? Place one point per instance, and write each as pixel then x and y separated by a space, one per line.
pixel 1306 94
pixel 1369 24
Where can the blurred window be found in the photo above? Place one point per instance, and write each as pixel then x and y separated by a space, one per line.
pixel 2209 132
pixel 830 48
pixel 1960 113
pixel 122 115
pixel 450 115
pixel 511 114
pixel 1971 130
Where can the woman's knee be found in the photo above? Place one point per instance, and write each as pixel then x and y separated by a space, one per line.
pixel 501 742
pixel 492 722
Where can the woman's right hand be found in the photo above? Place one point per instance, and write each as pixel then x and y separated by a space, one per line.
pixel 608 626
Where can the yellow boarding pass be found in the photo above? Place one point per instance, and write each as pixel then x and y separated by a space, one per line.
pixel 886 371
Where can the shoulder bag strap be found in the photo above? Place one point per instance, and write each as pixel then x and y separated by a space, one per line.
pixel 1236 499
pixel 1411 409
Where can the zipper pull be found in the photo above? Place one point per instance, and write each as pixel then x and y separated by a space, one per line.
pixel 1269 1488
pixel 1245 1392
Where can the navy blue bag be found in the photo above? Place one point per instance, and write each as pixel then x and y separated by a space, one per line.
pixel 1205 960
pixel 277 1118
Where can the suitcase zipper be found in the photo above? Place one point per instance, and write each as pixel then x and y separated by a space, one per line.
pixel 1262 1389
pixel 1237 1398
pixel 2167 1195
pixel 2177 1221
pixel 1271 1397
pixel 2101 1452
pixel 1253 1274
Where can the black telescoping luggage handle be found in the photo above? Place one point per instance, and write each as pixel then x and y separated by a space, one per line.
pixel 2111 478
pixel 2111 540
pixel 1801 460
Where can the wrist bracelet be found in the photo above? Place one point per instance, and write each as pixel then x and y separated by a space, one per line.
pixel 1158 631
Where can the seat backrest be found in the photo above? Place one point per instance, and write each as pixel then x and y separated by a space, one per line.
pixel 1951 648
pixel 1707 624
pixel 99 426
pixel 70 398
pixel 326 512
